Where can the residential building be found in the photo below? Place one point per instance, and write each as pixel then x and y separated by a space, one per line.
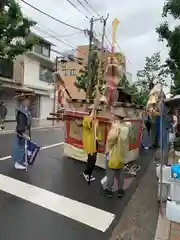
pixel 10 73
pixel 38 68
pixel 71 69
pixel 31 72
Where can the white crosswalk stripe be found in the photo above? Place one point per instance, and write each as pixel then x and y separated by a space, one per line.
pixel 80 212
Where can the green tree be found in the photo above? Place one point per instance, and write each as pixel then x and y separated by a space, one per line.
pixel 152 72
pixel 123 82
pixel 139 95
pixel 15 34
pixel 172 37
pixel 82 79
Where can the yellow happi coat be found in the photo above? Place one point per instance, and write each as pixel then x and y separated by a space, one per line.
pixel 91 133
pixel 117 144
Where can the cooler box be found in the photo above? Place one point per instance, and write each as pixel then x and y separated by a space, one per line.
pixel 166 173
pixel 173 211
pixel 175 190
pixel 175 171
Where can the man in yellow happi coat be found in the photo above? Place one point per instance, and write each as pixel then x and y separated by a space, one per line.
pixel 117 148
pixel 91 135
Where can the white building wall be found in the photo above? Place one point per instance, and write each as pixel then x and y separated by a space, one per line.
pixel 31 80
pixel 31 74
pixel 46 107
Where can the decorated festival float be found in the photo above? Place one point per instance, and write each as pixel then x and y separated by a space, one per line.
pixel 111 99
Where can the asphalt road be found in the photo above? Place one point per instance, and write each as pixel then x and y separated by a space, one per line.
pixel 43 137
pixel 63 207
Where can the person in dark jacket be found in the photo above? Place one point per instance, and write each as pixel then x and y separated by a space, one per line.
pixel 23 132
pixel 3 113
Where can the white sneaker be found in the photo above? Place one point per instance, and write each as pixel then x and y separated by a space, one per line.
pixel 86 176
pixel 19 166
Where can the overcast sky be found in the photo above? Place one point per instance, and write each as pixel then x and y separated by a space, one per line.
pixel 136 34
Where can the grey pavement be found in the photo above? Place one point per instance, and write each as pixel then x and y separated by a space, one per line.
pixel 42 137
pixel 139 219
pixel 20 219
pixel 36 123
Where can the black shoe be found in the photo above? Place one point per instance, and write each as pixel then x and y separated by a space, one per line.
pixel 108 193
pixel 120 193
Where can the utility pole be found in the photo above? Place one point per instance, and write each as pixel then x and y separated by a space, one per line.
pixel 102 49
pixel 161 145
pixel 100 61
pixel 91 37
pixel 54 93
pixel 89 78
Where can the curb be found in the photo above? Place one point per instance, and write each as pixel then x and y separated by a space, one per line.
pixel 163 228
pixel 6 132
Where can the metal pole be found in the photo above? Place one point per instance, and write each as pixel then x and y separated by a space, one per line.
pixel 161 145
pixel 102 50
pixel 54 94
pixel 89 80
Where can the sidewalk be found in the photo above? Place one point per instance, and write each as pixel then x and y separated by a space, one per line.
pixel 167 230
pixel 139 219
pixel 36 124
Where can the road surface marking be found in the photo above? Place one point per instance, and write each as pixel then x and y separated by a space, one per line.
pixel 80 212
pixel 53 145
pixel 5 158
pixel 42 148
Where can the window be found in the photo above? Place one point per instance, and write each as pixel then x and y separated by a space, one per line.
pixel 63 64
pixel 73 72
pixel 45 74
pixel 65 71
pixel 37 48
pixel 42 49
pixel 45 51
pixel 6 68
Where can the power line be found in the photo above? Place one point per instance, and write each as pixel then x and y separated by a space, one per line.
pixel 67 55
pixel 61 6
pixel 92 8
pixel 72 4
pixel 55 37
pixel 61 53
pixel 60 36
pixel 118 47
pixel 48 15
pixel 83 6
